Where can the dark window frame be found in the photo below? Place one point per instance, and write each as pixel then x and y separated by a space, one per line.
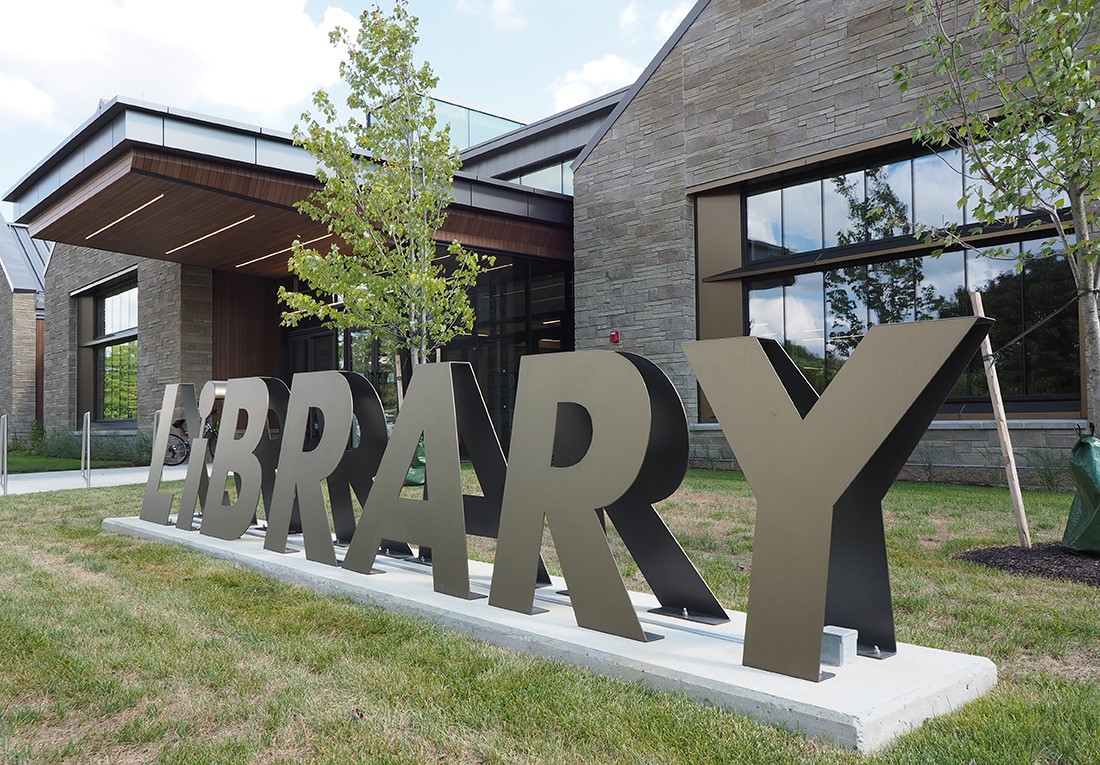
pixel 93 350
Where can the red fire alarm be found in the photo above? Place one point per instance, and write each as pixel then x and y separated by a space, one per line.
pixel 615 336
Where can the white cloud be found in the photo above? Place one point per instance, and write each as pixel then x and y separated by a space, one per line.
pixel 593 79
pixel 22 101
pixel 669 19
pixel 244 59
pixel 628 18
pixel 651 20
pixel 505 15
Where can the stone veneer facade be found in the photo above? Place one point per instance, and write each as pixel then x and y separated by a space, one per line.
pixel 752 85
pixel 175 328
pixel 17 360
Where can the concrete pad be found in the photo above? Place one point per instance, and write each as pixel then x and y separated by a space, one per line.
pixel 865 704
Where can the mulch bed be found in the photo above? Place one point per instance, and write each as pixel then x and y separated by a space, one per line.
pixel 1048 559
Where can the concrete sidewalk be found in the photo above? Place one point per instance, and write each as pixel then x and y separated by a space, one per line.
pixel 30 483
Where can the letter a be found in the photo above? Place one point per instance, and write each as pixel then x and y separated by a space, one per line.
pixel 438 520
pixel 819 469
pixel 616 398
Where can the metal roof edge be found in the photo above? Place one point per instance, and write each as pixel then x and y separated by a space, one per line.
pixel 560 119
pixel 109 109
pixel 659 59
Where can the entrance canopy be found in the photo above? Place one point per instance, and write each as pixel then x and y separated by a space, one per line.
pixel 159 183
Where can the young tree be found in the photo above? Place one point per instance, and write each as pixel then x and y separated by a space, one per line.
pixel 1016 88
pixel 386 173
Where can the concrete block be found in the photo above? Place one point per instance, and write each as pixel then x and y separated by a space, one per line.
pixel 838 646
pixel 863 705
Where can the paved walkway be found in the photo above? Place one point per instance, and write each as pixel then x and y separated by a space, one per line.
pixel 29 483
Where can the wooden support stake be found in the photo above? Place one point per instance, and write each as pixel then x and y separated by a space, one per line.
pixel 1011 475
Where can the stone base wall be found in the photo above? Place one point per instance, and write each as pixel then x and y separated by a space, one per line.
pixel 959 452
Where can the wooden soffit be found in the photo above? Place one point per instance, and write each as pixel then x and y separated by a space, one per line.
pixel 160 205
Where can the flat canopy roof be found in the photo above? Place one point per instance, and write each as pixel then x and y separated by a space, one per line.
pixel 169 185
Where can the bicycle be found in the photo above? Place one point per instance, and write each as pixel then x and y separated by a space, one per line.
pixel 179 444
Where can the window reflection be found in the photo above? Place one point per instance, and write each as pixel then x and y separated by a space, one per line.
pixel 521 306
pixel 890 292
pixel 844 209
pixel 804 326
pixel 846 313
pixel 802 217
pixel 1001 286
pixel 889 200
pixel 557 177
pixel 117 311
pixel 937 189
pixel 820 317
pixel 871 204
pixel 764 225
pixel 1047 349
pixel 766 310
pixel 941 286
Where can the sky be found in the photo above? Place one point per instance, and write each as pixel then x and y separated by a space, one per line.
pixel 258 61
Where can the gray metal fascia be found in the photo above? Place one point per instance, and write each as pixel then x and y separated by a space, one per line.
pixel 693 14
pixel 547 125
pixel 466 183
pixel 108 110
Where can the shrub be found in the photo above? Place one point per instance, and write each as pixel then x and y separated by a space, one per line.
pixel 132 448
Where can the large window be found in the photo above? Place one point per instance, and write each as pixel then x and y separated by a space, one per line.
pixel 869 204
pixel 114 350
pixel 522 306
pixel 820 317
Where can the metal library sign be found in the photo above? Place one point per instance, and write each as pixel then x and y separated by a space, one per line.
pixel 592 431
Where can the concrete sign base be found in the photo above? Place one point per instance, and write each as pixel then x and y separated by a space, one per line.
pixel 864 705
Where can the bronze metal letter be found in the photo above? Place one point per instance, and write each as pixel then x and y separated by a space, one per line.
pixel 664 564
pixel 360 462
pixel 252 457
pixel 157 505
pixel 198 479
pixel 610 388
pixel 438 519
pixel 301 472
pixel 819 470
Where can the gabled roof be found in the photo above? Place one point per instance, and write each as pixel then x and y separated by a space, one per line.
pixel 693 14
pixel 22 258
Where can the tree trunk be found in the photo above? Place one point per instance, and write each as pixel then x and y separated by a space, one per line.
pixel 1090 325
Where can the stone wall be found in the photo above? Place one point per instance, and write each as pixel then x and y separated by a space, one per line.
pixel 751 85
pixel 17 357
pixel 174 327
pixel 19 363
pixel 752 88
pixel 6 338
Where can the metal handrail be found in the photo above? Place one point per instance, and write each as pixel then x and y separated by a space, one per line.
pixel 4 453
pixel 86 450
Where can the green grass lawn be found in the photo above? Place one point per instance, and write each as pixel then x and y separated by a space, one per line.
pixel 118 650
pixel 32 463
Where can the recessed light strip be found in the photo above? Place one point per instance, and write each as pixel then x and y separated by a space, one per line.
pixel 212 233
pixel 279 252
pixel 124 217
